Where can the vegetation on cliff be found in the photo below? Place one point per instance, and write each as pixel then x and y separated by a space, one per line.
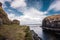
pixel 13 31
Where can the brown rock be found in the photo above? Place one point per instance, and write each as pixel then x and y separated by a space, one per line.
pixel 16 22
pixel 51 21
pixel 0 4
pixel 3 15
pixel 1 22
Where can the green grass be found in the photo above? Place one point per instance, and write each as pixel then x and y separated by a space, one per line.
pixel 15 32
pixel 28 35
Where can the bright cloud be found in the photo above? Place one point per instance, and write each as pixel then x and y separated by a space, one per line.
pixel 55 5
pixel 18 3
pixel 5 0
pixel 31 15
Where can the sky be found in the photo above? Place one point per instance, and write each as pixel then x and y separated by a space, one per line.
pixel 30 11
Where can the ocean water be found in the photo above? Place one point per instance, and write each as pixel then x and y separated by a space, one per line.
pixel 45 35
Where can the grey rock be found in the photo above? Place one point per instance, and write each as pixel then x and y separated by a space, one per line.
pixel 35 36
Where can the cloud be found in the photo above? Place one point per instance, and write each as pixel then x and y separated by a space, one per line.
pixel 31 15
pixel 55 5
pixel 5 0
pixel 18 3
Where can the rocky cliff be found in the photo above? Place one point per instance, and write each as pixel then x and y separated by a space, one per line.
pixel 35 36
pixel 4 16
pixel 51 21
pixel 14 31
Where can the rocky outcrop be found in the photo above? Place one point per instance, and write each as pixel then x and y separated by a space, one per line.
pixel 13 31
pixel 16 22
pixel 35 36
pixel 51 21
pixel 4 16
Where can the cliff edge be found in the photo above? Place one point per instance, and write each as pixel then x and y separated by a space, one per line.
pixel 14 31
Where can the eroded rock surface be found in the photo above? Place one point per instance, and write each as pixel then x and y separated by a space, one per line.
pixel 16 22
pixel 51 21
pixel 4 16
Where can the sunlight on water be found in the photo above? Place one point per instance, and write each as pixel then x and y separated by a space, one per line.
pixel 37 30
pixel 44 35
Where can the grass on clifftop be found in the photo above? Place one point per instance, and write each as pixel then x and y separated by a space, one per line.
pixel 14 32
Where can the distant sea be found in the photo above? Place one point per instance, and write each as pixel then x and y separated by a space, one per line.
pixel 44 35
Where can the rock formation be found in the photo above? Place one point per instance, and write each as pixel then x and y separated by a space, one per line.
pixel 51 21
pixel 0 4
pixel 16 22
pixel 14 31
pixel 1 23
pixel 35 36
pixel 4 16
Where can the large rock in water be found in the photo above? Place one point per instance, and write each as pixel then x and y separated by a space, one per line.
pixel 4 16
pixel 51 22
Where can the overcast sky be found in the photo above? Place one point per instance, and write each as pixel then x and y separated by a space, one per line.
pixel 30 11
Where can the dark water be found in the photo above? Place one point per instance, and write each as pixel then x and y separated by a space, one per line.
pixel 45 35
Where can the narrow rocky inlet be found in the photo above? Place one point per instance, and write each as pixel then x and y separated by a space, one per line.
pixel 29 19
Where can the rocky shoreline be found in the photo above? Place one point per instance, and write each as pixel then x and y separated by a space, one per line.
pixel 35 36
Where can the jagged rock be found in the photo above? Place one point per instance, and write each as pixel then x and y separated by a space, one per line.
pixel 4 16
pixel 35 36
pixel 16 22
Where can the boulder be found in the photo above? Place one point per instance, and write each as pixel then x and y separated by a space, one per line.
pixel 16 22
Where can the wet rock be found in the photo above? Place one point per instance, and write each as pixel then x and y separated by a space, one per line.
pixel 35 36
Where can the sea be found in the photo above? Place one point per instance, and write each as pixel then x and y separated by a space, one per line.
pixel 44 35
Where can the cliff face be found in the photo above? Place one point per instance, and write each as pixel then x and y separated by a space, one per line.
pixel 4 16
pixel 14 31
pixel 51 21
